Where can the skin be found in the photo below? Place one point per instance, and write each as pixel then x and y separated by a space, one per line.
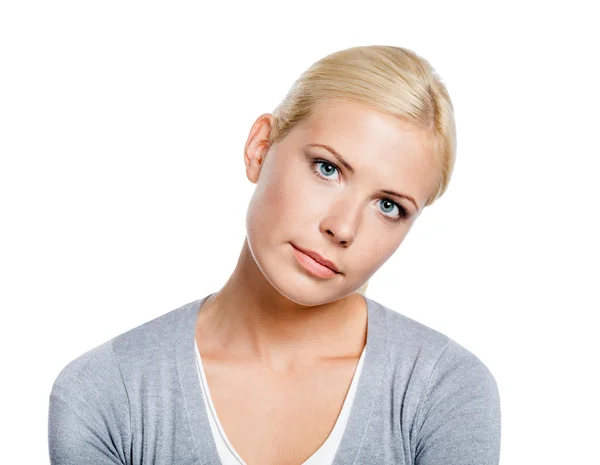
pixel 271 314
pixel 277 343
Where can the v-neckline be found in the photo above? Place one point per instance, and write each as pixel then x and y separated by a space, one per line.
pixel 338 422
pixel 364 397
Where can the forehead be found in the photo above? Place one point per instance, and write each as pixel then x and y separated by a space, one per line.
pixel 367 128
pixel 396 152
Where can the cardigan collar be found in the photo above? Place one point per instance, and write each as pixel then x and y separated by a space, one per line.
pixel 366 391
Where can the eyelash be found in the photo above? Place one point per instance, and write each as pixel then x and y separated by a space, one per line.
pixel 315 161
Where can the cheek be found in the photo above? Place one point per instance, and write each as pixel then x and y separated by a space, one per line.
pixel 273 208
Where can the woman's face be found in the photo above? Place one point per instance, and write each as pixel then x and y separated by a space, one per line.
pixel 308 198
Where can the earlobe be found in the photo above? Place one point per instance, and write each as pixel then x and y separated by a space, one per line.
pixel 257 146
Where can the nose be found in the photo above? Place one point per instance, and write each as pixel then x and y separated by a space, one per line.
pixel 342 221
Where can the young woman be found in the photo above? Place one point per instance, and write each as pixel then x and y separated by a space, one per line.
pixel 289 362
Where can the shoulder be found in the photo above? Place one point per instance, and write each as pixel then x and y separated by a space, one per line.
pixel 405 330
pixel 89 411
pixel 459 414
pixel 87 373
pixel 410 339
pixel 104 369
pixel 96 396
pixel 457 404
pixel 409 342
pixel 154 341
pixel 438 365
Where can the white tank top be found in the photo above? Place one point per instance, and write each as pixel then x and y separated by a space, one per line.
pixel 323 456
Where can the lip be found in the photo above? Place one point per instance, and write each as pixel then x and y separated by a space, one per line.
pixel 318 258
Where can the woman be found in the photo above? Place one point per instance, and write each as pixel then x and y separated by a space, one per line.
pixel 289 363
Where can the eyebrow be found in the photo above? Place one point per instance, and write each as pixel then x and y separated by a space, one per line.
pixel 349 168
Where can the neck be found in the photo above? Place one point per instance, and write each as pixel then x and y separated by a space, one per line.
pixel 247 319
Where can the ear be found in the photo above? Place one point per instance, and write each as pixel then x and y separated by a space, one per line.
pixel 257 146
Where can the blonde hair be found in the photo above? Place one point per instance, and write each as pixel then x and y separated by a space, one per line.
pixel 393 80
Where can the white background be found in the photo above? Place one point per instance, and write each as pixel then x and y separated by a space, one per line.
pixel 123 191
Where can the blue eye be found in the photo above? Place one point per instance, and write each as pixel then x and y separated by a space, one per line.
pixel 389 206
pixel 328 168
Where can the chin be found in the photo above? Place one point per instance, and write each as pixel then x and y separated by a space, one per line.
pixel 292 283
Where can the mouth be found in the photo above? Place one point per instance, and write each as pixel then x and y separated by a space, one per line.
pixel 319 259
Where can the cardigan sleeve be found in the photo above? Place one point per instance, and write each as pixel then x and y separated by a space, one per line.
pixel 459 415
pixel 89 414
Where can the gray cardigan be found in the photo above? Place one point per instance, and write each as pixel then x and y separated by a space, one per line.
pixel 421 399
